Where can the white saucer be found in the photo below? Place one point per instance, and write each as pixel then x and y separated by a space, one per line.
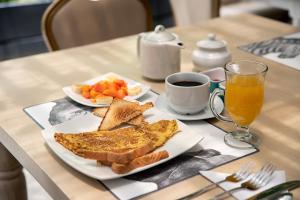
pixel 162 104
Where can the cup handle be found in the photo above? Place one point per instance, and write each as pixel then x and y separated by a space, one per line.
pixel 215 93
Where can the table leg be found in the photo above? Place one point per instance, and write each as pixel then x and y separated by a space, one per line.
pixel 12 180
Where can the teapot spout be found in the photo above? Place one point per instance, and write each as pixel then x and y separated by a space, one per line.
pixel 180 44
pixel 177 44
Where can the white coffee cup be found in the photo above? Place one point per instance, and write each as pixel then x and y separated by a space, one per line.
pixel 187 99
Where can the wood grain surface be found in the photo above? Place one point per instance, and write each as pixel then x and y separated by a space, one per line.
pixel 37 79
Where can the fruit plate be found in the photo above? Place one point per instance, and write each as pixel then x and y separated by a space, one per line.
pixel 80 99
pixel 182 141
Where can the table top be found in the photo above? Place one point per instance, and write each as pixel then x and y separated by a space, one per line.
pixel 37 79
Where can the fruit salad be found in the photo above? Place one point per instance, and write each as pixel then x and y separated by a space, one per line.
pixel 105 90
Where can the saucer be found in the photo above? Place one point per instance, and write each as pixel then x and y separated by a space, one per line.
pixel 162 104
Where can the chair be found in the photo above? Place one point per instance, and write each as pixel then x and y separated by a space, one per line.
pixel 70 23
pixel 188 12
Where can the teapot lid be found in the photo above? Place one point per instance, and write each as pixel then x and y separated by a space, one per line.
pixel 211 42
pixel 160 35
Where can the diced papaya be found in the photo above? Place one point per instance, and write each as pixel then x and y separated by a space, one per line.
pixel 125 90
pixel 85 88
pixel 98 87
pixel 121 94
pixel 100 95
pixel 104 84
pixel 110 92
pixel 93 93
pixel 86 95
pixel 112 86
pixel 120 82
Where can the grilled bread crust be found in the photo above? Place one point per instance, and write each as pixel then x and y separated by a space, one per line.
pixel 161 131
pixel 137 121
pixel 120 145
pixel 101 111
pixel 158 132
pixel 120 111
pixel 139 162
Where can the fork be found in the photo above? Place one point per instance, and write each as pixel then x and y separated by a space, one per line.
pixel 258 180
pixel 243 173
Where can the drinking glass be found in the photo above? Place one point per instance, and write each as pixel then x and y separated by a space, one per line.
pixel 244 96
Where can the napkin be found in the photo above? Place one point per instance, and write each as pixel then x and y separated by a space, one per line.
pixel 277 178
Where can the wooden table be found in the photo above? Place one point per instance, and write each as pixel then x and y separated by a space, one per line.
pixel 37 79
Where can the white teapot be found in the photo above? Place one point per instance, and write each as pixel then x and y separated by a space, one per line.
pixel 210 53
pixel 159 53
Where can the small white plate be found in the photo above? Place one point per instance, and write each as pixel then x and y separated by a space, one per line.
pixel 80 99
pixel 162 104
pixel 89 122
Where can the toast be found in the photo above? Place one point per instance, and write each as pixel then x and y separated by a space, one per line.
pixel 139 162
pixel 161 131
pixel 121 111
pixel 120 145
pixel 100 112
pixel 158 132
pixel 137 121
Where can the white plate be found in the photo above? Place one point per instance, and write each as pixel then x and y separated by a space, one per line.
pixel 162 104
pixel 80 99
pixel 175 146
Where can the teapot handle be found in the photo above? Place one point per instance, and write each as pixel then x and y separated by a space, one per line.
pixel 139 43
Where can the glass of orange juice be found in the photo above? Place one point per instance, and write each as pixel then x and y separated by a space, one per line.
pixel 244 96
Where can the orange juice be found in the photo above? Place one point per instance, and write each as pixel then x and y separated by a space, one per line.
pixel 244 97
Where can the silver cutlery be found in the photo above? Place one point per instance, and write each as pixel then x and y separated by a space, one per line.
pixel 258 180
pixel 243 173
pixel 277 191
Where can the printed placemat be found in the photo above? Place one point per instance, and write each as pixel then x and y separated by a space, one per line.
pixel 208 154
pixel 285 49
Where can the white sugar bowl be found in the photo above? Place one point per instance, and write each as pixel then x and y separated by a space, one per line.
pixel 210 53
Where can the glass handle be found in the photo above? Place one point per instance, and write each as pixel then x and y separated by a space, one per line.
pixel 215 93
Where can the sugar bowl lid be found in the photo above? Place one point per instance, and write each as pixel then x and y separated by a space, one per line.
pixel 211 42
pixel 160 35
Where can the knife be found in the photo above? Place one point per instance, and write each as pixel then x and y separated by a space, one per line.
pixel 276 190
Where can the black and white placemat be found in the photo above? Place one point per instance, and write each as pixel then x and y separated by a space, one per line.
pixel 285 49
pixel 208 154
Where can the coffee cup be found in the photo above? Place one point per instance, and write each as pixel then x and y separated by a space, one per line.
pixel 187 92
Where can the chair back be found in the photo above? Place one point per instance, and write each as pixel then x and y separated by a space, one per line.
pixel 70 23
pixel 188 12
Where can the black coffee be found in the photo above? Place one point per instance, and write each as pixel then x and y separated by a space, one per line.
pixel 187 83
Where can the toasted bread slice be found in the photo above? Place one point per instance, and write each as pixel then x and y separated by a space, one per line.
pixel 121 111
pixel 159 133
pixel 139 162
pixel 121 145
pixel 100 112
pixel 138 120
pixel 146 106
